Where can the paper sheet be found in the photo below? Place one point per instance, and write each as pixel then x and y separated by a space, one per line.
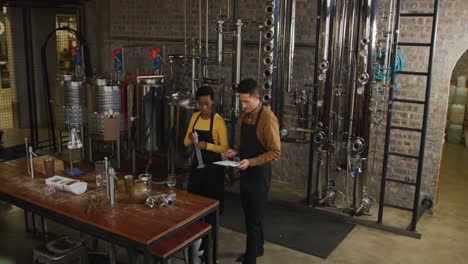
pixel 227 163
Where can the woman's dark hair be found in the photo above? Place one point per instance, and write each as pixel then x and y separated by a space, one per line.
pixel 248 86
pixel 204 91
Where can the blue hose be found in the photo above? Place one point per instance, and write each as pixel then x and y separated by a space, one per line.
pixel 399 64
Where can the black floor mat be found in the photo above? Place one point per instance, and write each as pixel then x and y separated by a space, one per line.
pixel 293 226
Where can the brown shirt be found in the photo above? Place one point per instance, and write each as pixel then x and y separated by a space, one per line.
pixel 267 134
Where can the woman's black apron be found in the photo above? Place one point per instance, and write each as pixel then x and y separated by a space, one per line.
pixel 208 181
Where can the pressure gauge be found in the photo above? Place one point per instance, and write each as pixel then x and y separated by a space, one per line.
pixel 284 132
pixel 2 28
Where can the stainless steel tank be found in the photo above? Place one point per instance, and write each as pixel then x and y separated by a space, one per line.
pixel 178 110
pixel 149 121
pixel 106 97
pixel 58 100
pixel 74 102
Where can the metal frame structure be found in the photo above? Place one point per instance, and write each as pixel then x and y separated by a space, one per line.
pixel 416 211
pixel 316 160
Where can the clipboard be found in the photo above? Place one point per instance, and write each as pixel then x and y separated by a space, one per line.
pixel 111 128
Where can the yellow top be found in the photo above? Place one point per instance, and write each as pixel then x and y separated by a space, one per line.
pixel 219 132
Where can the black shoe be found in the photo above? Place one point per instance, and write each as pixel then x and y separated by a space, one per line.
pixel 242 257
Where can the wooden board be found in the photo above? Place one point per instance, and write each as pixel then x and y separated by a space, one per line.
pixel 39 164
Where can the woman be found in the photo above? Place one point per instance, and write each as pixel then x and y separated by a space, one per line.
pixel 212 141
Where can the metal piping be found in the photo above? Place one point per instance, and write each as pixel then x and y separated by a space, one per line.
pixel 200 27
pixel 194 69
pixel 337 79
pixel 328 96
pixel 313 121
pixel 207 54
pixel 260 30
pixel 238 53
pixel 238 63
pixel 273 47
pixel 282 78
pixel 185 28
pixel 27 24
pixel 31 161
pixel 292 36
pixel 220 40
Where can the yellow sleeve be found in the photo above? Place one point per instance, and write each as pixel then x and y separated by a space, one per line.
pixel 187 141
pixel 219 131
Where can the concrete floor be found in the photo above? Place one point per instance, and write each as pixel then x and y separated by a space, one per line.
pixel 444 234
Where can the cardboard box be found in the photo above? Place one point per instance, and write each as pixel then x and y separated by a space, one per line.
pixel 39 164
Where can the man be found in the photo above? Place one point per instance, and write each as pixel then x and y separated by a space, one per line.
pixel 257 145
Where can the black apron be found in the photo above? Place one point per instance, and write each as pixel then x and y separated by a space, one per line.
pixel 208 181
pixel 254 187
pixel 254 178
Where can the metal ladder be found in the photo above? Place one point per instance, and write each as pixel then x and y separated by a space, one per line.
pixel 425 102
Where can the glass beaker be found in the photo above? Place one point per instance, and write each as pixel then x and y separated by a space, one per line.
pixel 128 181
pixel 146 178
pixel 49 167
pixel 100 167
pixel 171 181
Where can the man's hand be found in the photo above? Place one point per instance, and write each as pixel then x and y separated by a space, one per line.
pixel 244 164
pixel 229 154
pixel 201 145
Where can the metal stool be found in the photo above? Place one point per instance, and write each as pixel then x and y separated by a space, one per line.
pixel 61 250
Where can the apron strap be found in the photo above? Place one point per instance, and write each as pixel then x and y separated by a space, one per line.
pixel 211 122
pixel 258 117
pixel 194 123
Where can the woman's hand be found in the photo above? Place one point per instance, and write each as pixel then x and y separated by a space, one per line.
pixel 201 145
pixel 229 154
pixel 244 164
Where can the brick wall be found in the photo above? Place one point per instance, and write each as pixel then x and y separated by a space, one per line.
pixel 148 22
pixel 452 36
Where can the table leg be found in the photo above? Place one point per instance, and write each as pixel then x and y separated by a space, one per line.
pixel 133 161
pixel 148 256
pixel 118 154
pixel 26 221
pixel 210 248
pixel 60 140
pixel 44 228
pixel 215 230
pixel 112 257
pixel 90 140
pixel 191 254
pixel 34 223
pixel 132 255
